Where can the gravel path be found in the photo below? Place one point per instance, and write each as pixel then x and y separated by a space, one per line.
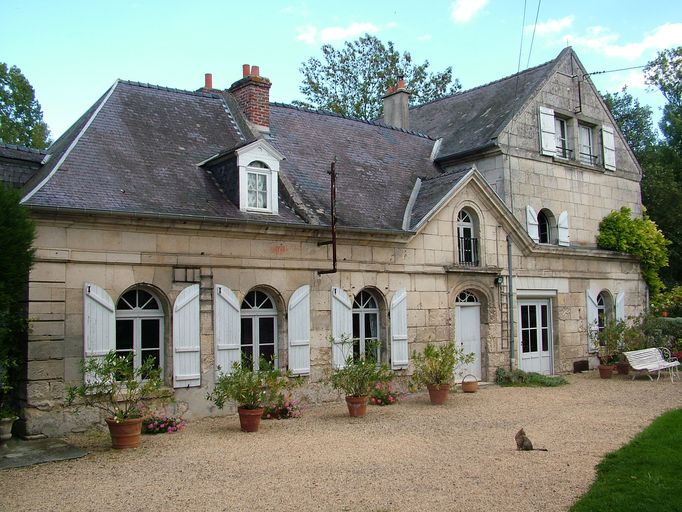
pixel 409 456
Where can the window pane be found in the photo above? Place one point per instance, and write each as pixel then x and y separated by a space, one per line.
pixel 262 200
pixel 525 341
pixel 252 199
pixel 532 317
pixel 266 330
pixel 371 324
pixel 533 340
pixel 247 331
pixel 356 325
pixel 150 333
pixel 545 340
pixel 247 357
pixel 127 300
pixel 151 354
pixel 251 181
pixel 262 182
pixel 124 334
pixel 267 351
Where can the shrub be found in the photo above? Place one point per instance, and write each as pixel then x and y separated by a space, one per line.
pixel 519 378
pixel 384 394
pixel 162 424
pixel 437 365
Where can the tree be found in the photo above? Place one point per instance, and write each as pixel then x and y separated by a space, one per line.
pixel 16 257
pixel 665 72
pixel 21 118
pixel 641 238
pixel 353 80
pixel 634 120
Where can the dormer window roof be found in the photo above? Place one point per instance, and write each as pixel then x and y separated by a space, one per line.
pixel 258 165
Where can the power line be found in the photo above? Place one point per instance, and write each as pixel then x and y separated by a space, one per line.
pixel 613 70
pixel 535 25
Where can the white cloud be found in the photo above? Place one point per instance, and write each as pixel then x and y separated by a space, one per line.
pixel 310 34
pixel 464 10
pixel 424 37
pixel 604 41
pixel 552 26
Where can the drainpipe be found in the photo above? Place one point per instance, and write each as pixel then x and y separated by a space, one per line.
pixel 510 299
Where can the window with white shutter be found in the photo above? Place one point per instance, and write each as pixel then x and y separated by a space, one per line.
pixel 399 342
pixel 562 229
pixel 592 320
pixel 532 224
pixel 608 147
pixel 187 339
pixel 99 323
pixel 299 331
pixel 226 329
pixel 342 327
pixel 620 306
pixel 548 140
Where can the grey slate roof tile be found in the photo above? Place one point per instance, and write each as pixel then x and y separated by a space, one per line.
pixel 432 190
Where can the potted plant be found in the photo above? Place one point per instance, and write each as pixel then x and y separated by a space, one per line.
pixel 8 412
pixel 435 368
pixel 358 378
pixel 609 342
pixel 112 384
pixel 251 390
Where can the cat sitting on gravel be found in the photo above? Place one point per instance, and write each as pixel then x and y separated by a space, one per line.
pixel 523 443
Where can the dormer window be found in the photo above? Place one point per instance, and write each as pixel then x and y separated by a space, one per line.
pixel 258 185
pixel 258 178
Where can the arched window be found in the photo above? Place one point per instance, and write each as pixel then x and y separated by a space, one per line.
pixel 544 228
pixel 466 238
pixel 259 329
pixel 366 325
pixel 604 309
pixel 139 326
pixel 257 185
pixel 466 297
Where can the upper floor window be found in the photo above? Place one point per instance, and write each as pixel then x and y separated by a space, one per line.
pixel 257 186
pixel 258 165
pixel 466 238
pixel 586 139
pixel 562 139
pixel 544 228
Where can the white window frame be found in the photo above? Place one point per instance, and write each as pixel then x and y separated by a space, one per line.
pixel 269 159
pixel 254 314
pixel 586 158
pixel 258 171
pixel 362 311
pixel 561 133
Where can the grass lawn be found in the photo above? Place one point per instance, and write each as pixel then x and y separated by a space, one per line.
pixel 645 474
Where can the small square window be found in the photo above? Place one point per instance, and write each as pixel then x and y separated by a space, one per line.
pixel 257 190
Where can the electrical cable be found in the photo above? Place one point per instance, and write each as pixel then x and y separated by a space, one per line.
pixel 532 40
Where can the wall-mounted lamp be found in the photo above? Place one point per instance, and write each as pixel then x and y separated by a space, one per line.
pixel 499 280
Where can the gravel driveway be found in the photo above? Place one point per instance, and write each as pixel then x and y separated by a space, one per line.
pixel 409 456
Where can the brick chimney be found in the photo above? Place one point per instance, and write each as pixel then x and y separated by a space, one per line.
pixel 396 106
pixel 252 93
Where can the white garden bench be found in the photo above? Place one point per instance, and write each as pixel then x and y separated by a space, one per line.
pixel 652 360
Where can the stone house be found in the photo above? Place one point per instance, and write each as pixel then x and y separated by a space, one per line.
pixel 195 228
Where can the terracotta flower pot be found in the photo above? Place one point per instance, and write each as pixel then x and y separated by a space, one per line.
pixel 357 406
pixel 249 419
pixel 438 393
pixel 125 433
pixel 605 371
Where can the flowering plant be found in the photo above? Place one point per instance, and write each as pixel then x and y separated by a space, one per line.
pixel 162 424
pixel 383 394
pixel 285 407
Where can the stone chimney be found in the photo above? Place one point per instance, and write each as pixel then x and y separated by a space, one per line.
pixel 396 106
pixel 252 93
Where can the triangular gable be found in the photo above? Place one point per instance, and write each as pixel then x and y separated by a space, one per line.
pixel 472 178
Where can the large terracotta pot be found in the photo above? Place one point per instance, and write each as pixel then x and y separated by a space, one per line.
pixel 438 393
pixel 125 433
pixel 357 406
pixel 249 419
pixel 6 429
pixel 605 371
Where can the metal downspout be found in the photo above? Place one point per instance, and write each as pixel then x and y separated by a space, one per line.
pixel 510 299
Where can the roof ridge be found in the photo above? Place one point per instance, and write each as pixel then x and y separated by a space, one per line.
pixel 170 89
pixel 508 77
pixel 349 118
pixel 23 148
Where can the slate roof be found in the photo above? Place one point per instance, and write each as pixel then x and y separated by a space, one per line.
pixel 376 166
pixel 18 164
pixel 431 192
pixel 471 120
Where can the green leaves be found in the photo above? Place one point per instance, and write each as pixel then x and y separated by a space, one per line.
pixel 353 80
pixel 21 118
pixel 437 364
pixel 641 238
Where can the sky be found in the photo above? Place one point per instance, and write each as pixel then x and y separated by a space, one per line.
pixel 72 51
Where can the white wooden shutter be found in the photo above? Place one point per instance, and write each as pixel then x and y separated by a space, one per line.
pixel 99 323
pixel 186 339
pixel 342 324
pixel 547 134
pixel 299 331
pixel 592 326
pixel 562 228
pixel 620 306
pixel 532 224
pixel 227 329
pixel 399 346
pixel 608 147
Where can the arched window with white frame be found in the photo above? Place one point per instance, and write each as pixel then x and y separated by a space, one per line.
pixel 467 240
pixel 366 326
pixel 604 309
pixel 258 329
pixel 139 326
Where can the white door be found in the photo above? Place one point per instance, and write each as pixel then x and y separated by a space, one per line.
pixel 535 335
pixel 468 331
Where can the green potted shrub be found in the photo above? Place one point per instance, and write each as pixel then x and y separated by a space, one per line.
pixel 112 384
pixel 357 379
pixel 436 367
pixel 251 390
pixel 609 342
